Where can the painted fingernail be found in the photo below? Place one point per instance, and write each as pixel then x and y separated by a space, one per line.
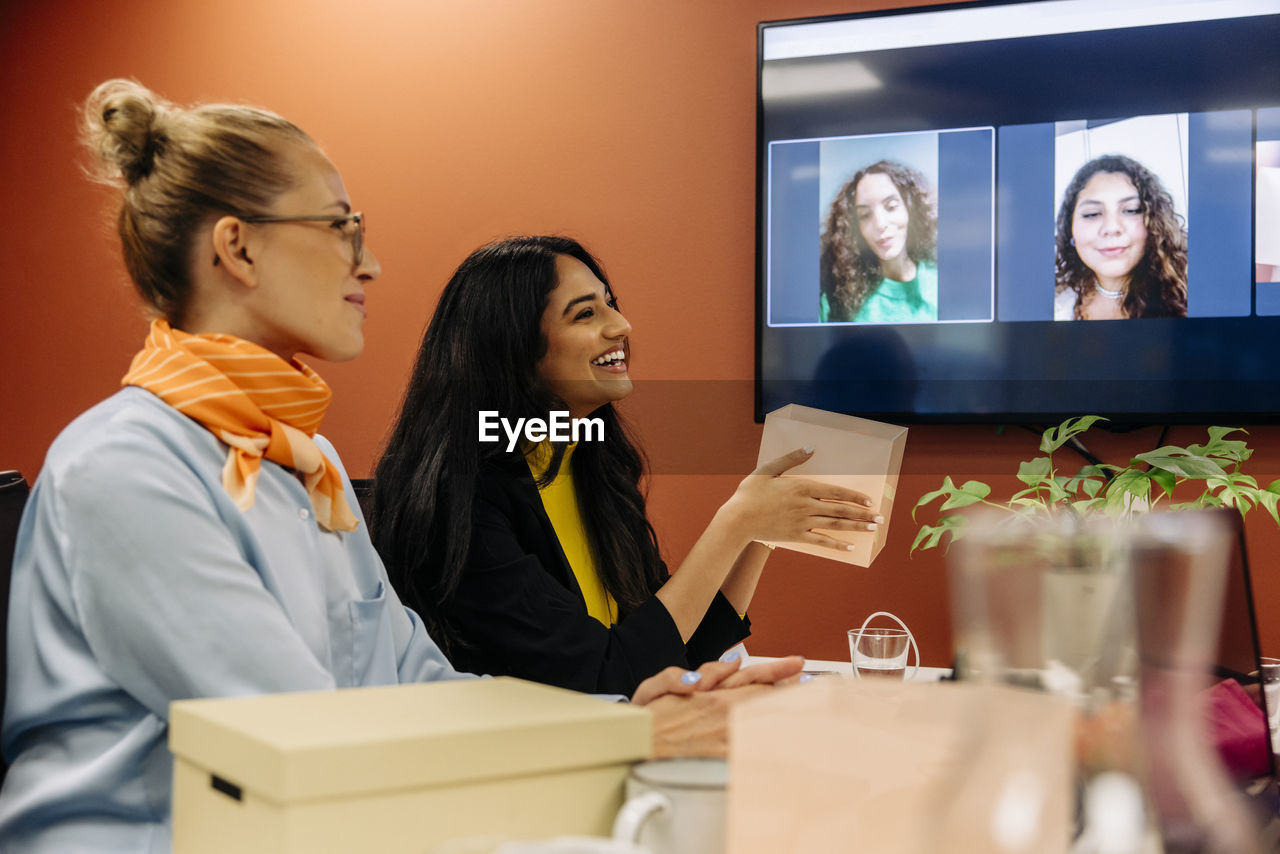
pixel 808 449
pixel 691 677
pixel 866 502
pixel 732 655
pixel 848 548
pixel 808 677
pixel 878 519
pixel 871 526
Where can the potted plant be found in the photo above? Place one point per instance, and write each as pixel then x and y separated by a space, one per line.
pixel 1072 598
pixel 1147 480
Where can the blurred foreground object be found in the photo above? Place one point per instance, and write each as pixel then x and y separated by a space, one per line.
pixel 1179 565
pixel 1120 619
pixel 843 765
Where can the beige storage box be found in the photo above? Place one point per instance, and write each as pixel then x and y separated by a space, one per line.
pixel 848 451
pixel 399 768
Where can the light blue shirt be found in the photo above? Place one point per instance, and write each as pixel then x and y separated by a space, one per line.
pixel 137 582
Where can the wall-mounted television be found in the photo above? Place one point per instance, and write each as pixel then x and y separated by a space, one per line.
pixel 1021 211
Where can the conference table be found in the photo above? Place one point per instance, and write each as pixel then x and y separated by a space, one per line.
pixel 823 667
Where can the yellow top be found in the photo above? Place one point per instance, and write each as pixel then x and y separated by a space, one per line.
pixel 560 500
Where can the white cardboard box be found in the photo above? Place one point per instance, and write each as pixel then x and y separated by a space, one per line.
pixel 399 768
pixel 848 451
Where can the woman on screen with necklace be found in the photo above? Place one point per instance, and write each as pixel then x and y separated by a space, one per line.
pixel 538 560
pixel 879 249
pixel 1121 248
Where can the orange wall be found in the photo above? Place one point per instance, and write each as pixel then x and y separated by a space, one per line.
pixel 628 124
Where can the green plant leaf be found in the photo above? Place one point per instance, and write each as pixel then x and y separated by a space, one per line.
pixel 1166 479
pixel 1206 500
pixel 1090 478
pixel 929 536
pixel 1035 504
pixel 1231 493
pixel 1056 492
pixel 1269 500
pixel 1194 468
pixel 946 489
pixel 1055 437
pixel 1274 486
pixel 1127 489
pixel 1216 433
pixel 1217 446
pixel 1031 472
pixel 971 492
pixel 1031 492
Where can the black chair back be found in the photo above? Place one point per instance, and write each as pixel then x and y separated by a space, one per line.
pixel 364 494
pixel 13 497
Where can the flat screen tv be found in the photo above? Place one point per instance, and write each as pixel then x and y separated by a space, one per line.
pixel 1021 211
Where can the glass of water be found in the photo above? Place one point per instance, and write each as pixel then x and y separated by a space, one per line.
pixel 879 653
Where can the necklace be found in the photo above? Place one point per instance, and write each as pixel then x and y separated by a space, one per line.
pixel 1109 294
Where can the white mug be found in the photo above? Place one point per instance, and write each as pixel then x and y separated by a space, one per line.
pixel 675 806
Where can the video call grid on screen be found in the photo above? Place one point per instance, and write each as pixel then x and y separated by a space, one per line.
pixel 1201 81
pixel 1036 163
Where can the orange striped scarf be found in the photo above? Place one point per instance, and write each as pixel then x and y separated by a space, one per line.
pixel 255 402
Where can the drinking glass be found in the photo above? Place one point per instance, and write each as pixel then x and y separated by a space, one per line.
pixel 878 652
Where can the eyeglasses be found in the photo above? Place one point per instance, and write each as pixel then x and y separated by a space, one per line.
pixel 357 233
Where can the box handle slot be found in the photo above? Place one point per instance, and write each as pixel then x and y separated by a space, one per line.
pixel 227 788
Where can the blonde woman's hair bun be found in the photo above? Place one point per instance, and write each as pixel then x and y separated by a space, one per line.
pixel 179 169
pixel 123 128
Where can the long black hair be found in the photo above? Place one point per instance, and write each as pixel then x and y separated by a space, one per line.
pixel 480 352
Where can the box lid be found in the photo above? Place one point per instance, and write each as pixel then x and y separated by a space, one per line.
pixel 865 428
pixel 288 747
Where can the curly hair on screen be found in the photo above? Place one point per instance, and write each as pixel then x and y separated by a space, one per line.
pixel 1158 282
pixel 850 270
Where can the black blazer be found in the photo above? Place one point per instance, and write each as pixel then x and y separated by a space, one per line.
pixel 518 609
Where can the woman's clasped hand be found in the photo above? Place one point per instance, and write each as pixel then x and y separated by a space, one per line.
pixel 691 707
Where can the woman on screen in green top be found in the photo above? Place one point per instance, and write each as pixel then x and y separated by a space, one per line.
pixel 879 249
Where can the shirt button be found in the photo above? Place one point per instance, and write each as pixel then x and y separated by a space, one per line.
pixel 304 514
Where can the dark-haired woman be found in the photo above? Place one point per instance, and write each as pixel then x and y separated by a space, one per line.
pixel 879 249
pixel 1121 248
pixel 539 562
pixel 192 535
